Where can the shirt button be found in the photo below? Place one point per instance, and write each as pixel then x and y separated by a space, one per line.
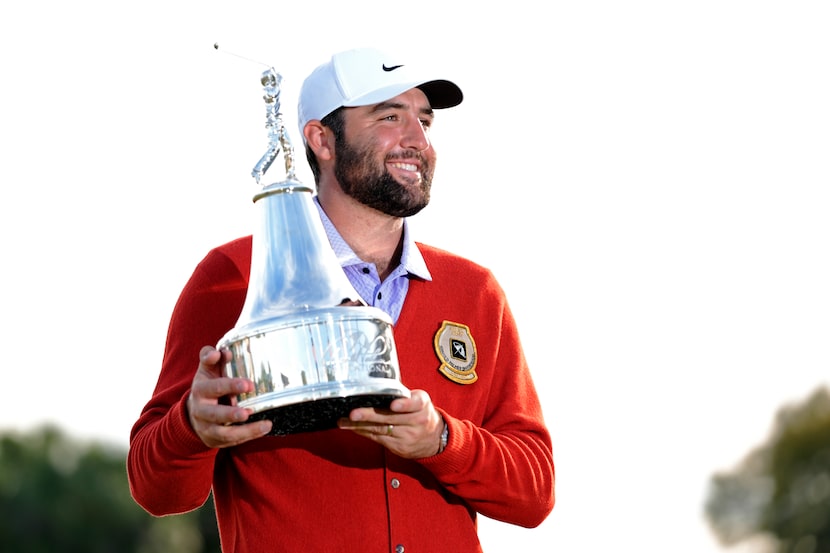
pixel 399 548
pixel 380 295
pixel 365 270
pixel 395 483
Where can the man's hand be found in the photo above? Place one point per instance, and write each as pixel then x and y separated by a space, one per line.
pixel 210 419
pixel 410 428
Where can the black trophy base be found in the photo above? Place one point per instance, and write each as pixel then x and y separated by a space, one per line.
pixel 321 414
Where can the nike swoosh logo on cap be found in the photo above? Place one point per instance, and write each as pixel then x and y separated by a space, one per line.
pixel 392 68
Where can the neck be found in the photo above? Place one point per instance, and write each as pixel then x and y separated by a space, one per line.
pixel 374 236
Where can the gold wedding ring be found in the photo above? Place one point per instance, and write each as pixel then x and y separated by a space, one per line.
pixel 389 429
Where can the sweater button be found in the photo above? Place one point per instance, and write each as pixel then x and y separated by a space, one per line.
pixel 395 483
pixel 399 548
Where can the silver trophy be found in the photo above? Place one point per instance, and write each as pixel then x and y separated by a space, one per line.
pixel 311 346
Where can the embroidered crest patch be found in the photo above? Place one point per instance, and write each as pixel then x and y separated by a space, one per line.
pixel 456 350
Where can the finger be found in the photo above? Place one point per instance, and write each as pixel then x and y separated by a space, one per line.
pixel 228 436
pixel 419 399
pixel 368 428
pixel 215 388
pixel 369 415
pixel 209 355
pixel 205 413
pixel 212 360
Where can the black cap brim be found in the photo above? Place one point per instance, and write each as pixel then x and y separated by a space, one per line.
pixel 442 94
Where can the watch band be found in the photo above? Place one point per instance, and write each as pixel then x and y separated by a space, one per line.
pixel 445 437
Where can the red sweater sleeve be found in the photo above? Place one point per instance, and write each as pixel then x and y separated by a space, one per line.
pixel 499 457
pixel 165 453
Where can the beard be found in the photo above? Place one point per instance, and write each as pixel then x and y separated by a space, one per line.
pixel 375 187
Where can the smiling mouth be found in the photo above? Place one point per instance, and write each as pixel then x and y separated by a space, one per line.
pixel 410 172
pixel 411 167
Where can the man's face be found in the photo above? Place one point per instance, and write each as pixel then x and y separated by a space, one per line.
pixel 384 159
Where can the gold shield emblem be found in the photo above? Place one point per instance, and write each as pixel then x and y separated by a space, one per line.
pixel 456 350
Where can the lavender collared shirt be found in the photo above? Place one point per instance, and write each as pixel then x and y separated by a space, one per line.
pixel 390 294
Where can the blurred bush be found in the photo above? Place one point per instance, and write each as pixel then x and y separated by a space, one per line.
pixel 60 494
pixel 779 495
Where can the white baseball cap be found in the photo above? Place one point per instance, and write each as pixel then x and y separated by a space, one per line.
pixel 366 76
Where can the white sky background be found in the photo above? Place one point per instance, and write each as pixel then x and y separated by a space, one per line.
pixel 648 180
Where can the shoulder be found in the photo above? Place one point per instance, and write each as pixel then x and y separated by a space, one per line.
pixel 441 262
pixel 224 268
pixel 460 273
pixel 239 248
pixel 213 296
pixel 230 257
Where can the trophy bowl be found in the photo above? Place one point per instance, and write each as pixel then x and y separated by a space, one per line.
pixel 310 369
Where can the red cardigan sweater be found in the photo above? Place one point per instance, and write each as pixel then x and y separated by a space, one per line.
pixel 335 491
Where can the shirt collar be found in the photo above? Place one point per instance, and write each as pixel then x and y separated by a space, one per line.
pixel 412 261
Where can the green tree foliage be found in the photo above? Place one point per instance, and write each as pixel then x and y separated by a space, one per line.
pixel 780 493
pixel 57 494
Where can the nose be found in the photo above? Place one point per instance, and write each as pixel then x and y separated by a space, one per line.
pixel 415 134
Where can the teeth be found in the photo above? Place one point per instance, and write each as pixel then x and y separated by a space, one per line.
pixel 405 166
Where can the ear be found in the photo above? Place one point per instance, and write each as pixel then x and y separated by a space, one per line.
pixel 319 139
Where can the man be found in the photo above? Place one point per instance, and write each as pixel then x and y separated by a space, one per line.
pixel 470 439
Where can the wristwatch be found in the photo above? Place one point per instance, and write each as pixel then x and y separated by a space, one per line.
pixel 445 437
